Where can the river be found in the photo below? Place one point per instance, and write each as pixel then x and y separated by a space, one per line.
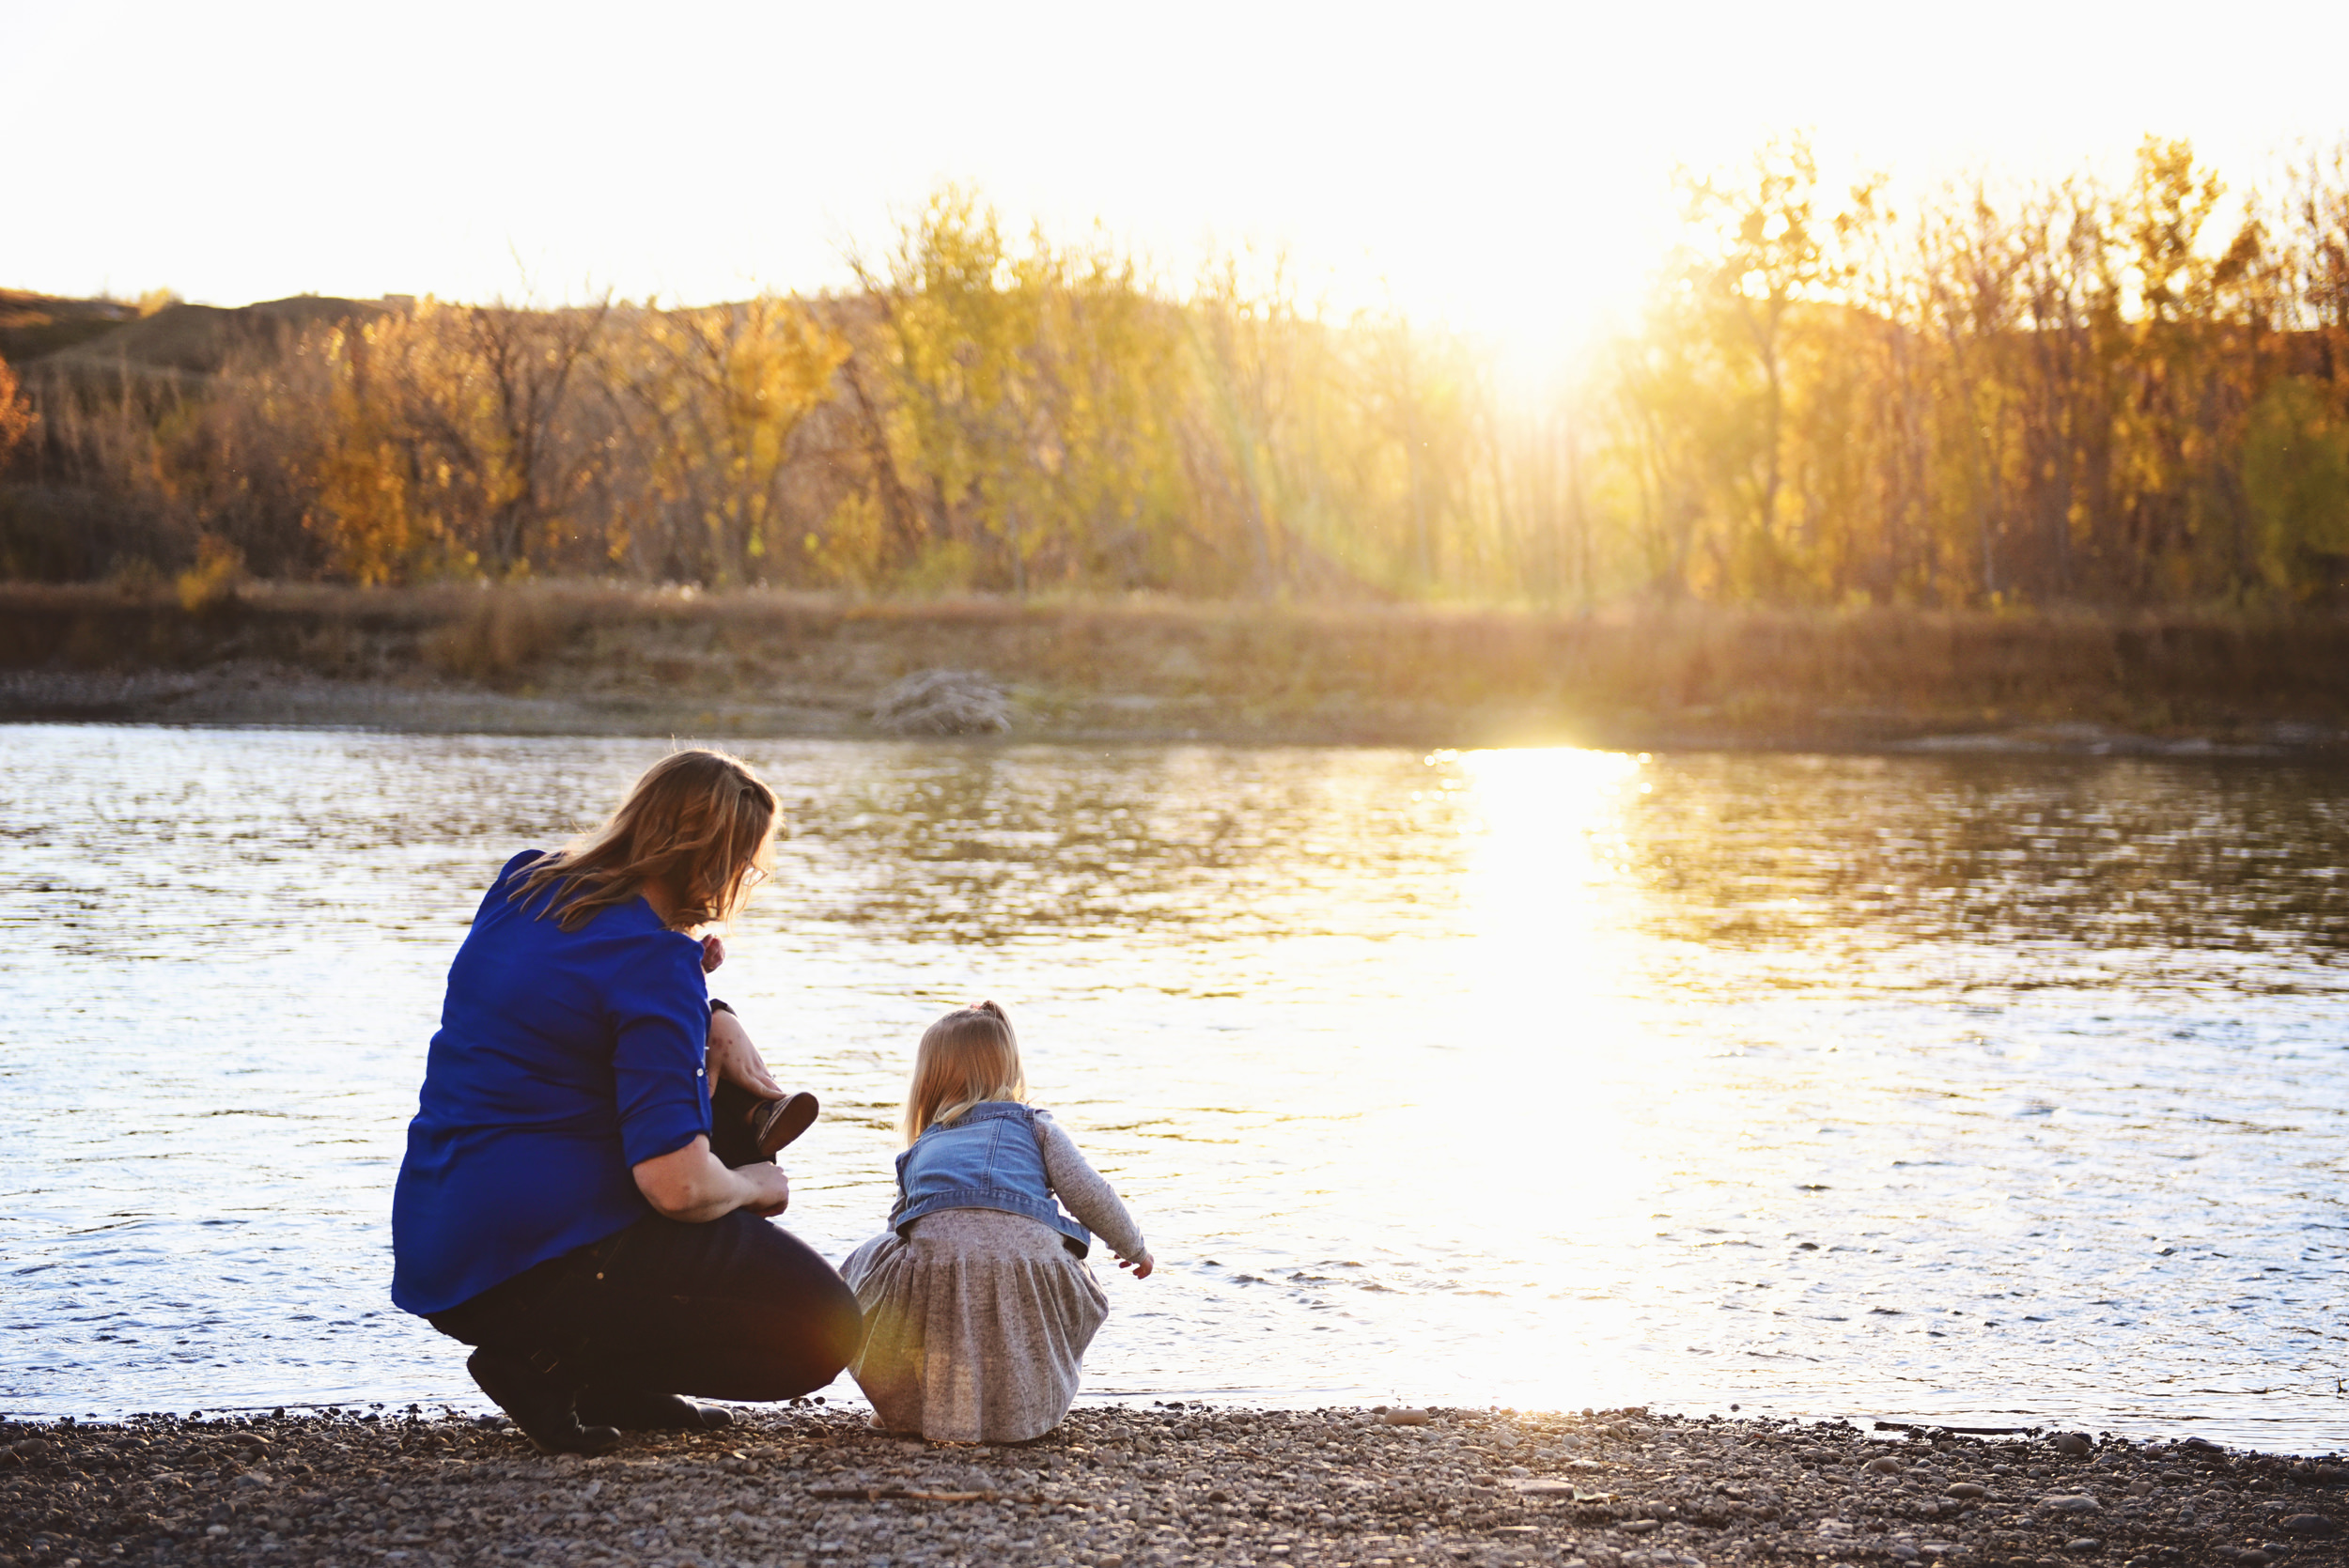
pixel 1982 1089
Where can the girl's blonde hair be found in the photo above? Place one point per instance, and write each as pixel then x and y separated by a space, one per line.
pixel 967 1056
pixel 700 823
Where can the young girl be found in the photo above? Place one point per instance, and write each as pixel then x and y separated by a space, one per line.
pixel 978 1305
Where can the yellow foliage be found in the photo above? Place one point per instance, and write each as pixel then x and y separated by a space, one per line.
pixel 451 445
pixel 2055 395
pixel 1032 386
pixel 2013 397
pixel 849 550
pixel 17 417
pixel 727 388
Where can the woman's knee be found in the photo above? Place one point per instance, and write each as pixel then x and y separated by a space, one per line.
pixel 807 1309
pixel 805 1343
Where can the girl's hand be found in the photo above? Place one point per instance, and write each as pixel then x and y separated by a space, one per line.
pixel 734 1060
pixel 713 953
pixel 1141 1266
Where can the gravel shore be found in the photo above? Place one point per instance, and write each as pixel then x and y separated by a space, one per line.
pixel 1121 1487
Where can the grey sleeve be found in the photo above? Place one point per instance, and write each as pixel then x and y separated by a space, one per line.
pixel 1080 1186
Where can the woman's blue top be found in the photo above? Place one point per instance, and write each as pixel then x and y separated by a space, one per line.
pixel 563 1059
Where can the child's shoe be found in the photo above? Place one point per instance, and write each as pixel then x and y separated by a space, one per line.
pixel 776 1123
pixel 745 1129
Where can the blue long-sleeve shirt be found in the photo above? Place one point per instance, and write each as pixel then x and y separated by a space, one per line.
pixel 563 1059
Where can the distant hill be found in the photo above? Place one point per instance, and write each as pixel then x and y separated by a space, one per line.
pixel 32 325
pixel 199 339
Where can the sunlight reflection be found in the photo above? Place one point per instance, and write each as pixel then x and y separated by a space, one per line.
pixel 1551 1074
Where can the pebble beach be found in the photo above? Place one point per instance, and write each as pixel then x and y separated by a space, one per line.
pixel 1163 1484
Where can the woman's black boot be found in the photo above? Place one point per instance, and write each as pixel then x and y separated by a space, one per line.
pixel 541 1404
pixel 642 1411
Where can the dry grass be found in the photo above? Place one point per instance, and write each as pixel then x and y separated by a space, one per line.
pixel 502 635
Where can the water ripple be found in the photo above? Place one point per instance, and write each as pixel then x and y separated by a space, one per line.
pixel 2004 1088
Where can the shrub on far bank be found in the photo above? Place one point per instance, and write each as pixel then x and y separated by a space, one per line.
pixel 213 581
pixel 502 633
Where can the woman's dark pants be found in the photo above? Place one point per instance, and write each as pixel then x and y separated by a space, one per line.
pixel 732 1308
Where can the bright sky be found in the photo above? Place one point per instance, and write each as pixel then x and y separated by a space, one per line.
pixel 1502 167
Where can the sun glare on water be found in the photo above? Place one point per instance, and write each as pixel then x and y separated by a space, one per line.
pixel 1516 1142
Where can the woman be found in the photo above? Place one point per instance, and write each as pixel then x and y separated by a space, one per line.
pixel 560 1206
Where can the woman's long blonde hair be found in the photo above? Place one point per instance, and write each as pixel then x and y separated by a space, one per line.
pixel 699 823
pixel 968 1057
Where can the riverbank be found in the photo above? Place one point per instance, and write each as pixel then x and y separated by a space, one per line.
pixel 562 659
pixel 1121 1487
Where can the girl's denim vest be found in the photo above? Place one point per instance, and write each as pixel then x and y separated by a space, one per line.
pixel 985 1158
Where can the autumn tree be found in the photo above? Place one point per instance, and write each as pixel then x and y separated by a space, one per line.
pixel 1767 255
pixel 718 394
pixel 454 444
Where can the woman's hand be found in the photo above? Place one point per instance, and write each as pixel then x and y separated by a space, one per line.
pixel 770 1190
pixel 734 1060
pixel 690 1185
pixel 1140 1266
pixel 713 953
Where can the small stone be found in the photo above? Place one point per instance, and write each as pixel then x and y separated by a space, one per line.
pixel 215 1529
pixel 2075 1502
pixel 1639 1527
pixel 2072 1445
pixel 1405 1418
pixel 2083 1544
pixel 2309 1524
pixel 1966 1489
pixel 1883 1463
pixel 1543 1488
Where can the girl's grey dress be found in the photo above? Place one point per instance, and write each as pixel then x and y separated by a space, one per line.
pixel 976 1321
